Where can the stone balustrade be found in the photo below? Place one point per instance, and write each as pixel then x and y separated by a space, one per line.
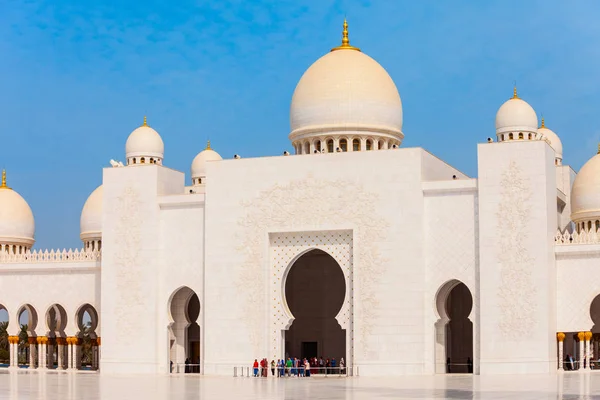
pixel 45 256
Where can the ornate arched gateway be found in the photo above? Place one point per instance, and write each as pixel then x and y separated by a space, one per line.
pixel 284 251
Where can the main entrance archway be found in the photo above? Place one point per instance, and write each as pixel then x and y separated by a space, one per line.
pixel 184 332
pixel 454 329
pixel 315 290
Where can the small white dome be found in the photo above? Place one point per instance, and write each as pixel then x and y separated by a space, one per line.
pixel 144 142
pixel 346 91
pixel 198 169
pixel 17 225
pixel 516 115
pixel 90 222
pixel 585 194
pixel 552 138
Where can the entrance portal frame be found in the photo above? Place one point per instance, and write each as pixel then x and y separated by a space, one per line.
pixel 285 248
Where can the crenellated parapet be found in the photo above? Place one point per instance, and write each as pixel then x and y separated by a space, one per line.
pixel 591 237
pixel 46 256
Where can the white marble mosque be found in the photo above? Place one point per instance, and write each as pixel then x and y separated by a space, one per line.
pixel 352 247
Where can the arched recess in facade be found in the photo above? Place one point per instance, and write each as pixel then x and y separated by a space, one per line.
pixel 4 334
pixel 27 320
pixel 56 321
pixel 454 329
pixel 184 331
pixel 595 329
pixel 87 352
pixel 315 292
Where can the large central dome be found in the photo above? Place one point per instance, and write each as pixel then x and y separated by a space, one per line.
pixel 346 94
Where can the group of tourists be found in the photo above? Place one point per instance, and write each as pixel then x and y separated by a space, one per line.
pixel 298 367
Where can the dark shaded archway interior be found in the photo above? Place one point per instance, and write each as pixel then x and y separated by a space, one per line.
pixel 459 330
pixel 193 310
pixel 314 290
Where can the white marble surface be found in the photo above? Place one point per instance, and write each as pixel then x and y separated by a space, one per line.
pixel 92 386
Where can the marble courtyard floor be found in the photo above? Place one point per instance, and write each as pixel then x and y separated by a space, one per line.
pixel 569 386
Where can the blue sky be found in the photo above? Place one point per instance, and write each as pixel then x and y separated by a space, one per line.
pixel 77 77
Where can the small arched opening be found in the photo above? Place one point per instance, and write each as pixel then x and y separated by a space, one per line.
pixel 330 146
pixel 344 144
pixel 4 347
pixel 87 323
pixel 369 144
pixel 56 321
pixel 454 329
pixel 27 320
pixel 184 332
pixel 356 145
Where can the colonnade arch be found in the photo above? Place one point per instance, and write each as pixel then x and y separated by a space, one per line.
pixel 314 293
pixel 46 345
pixel 184 331
pixel 4 344
pixel 453 329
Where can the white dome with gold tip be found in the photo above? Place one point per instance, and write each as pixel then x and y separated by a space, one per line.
pixel 17 225
pixel 144 146
pixel 198 169
pixel 516 117
pixel 90 222
pixel 346 93
pixel 553 140
pixel 585 193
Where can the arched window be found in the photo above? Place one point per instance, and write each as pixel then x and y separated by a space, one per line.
pixel 330 146
pixel 318 145
pixel 356 145
pixel 380 145
pixel 306 148
pixel 510 136
pixel 344 144
pixel 529 136
pixel 521 135
pixel 151 160
pixel 369 144
pixel 143 160
pixel 134 160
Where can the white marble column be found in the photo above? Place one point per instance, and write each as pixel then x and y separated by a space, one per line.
pixel 42 341
pixel 77 354
pixel 12 344
pixel 50 354
pixel 70 366
pixel 32 352
pixel 60 345
pixel 560 336
pixel 588 338
pixel 581 337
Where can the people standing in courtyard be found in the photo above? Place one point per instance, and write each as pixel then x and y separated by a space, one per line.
pixel 273 367
pixel 333 366
pixel 288 366
pixel 307 368
pixel 321 365
pixel 187 366
pixel 327 366
pixel 255 367
pixel 342 365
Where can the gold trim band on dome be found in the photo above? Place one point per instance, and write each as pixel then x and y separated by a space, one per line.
pixel 345 40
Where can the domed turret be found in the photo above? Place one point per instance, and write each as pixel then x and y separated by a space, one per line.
pixel 144 146
pixel 17 226
pixel 198 170
pixel 553 140
pixel 585 196
pixel 345 101
pixel 91 221
pixel 516 120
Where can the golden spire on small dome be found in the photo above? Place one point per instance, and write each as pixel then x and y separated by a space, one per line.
pixel 515 96
pixel 543 124
pixel 345 41
pixel 4 180
pixel 598 148
pixel 208 145
pixel 145 121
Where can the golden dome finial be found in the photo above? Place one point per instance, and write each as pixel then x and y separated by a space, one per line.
pixel 543 123
pixel 208 145
pixel 345 40
pixel 599 148
pixel 145 121
pixel 4 180
pixel 515 96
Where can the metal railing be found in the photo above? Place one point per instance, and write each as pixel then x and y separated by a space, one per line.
pixel 294 372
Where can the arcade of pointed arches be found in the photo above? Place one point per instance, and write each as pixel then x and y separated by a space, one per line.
pixel 49 345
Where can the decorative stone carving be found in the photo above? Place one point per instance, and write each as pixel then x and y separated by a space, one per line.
pixel 311 204
pixel 45 256
pixel 129 289
pixel 516 290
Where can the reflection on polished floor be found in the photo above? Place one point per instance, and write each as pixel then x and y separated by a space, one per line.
pixel 92 386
